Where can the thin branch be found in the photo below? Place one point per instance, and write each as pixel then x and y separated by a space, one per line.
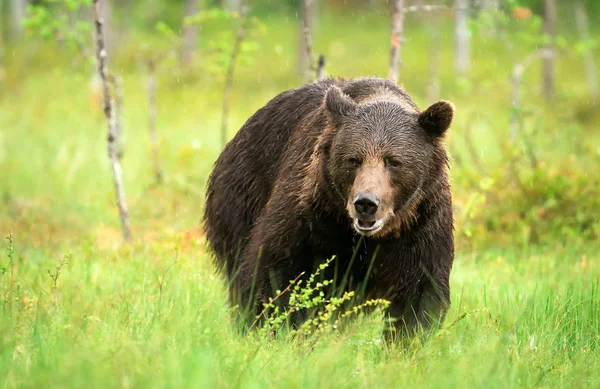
pixel 160 279
pixel 473 150
pixel 312 68
pixel 101 56
pixel 397 39
pixel 425 8
pixel 276 297
pixel 239 38
pixel 516 79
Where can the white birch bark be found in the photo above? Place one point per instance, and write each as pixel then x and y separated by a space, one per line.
pixel 101 58
pixel 396 40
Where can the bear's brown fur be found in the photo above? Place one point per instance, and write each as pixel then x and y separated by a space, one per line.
pixel 338 167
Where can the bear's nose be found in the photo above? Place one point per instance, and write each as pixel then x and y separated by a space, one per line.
pixel 366 204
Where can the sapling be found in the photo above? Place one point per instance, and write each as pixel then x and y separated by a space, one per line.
pixel 111 117
pixel 57 21
pixel 243 45
pixel 397 37
pixel 235 52
pixel 10 267
pixel 313 69
pixel 160 280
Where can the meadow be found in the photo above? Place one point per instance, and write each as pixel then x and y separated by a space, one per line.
pixel 80 308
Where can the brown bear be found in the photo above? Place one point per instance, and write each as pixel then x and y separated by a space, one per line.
pixel 344 168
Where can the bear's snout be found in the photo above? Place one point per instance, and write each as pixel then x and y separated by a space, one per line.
pixel 366 204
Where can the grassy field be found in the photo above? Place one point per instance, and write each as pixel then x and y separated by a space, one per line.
pixel 80 309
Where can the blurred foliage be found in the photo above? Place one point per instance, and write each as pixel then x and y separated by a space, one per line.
pixel 531 199
pixel 536 189
pixel 58 20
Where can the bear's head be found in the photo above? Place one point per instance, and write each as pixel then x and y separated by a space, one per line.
pixel 380 157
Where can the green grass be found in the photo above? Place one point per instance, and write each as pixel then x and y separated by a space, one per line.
pixel 519 319
pixel 522 316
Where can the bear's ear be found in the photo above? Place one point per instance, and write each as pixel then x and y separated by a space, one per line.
pixel 437 118
pixel 339 104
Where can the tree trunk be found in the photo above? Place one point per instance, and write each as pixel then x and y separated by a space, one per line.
pixel 109 111
pixel 397 39
pixel 463 37
pixel 190 34
pixel 548 61
pixel 18 8
pixel 591 71
pixel 306 66
pixel 118 88
pixel 232 5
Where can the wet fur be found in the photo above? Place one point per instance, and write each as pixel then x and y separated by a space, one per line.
pixel 273 209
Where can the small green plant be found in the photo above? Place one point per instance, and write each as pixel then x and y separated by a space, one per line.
pixel 9 268
pixel 309 297
pixel 55 274
pixel 57 20
pixel 9 253
pixel 216 59
pixel 160 280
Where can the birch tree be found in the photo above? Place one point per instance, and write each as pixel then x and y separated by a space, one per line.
pixel 111 117
pixel 306 60
pixel 233 5
pixel 397 39
pixel 17 14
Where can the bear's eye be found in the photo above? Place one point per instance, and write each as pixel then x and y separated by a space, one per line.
pixel 392 162
pixel 354 162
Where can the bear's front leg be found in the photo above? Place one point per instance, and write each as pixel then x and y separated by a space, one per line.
pixel 276 254
pixel 426 311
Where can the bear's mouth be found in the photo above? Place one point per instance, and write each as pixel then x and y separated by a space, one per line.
pixel 367 227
